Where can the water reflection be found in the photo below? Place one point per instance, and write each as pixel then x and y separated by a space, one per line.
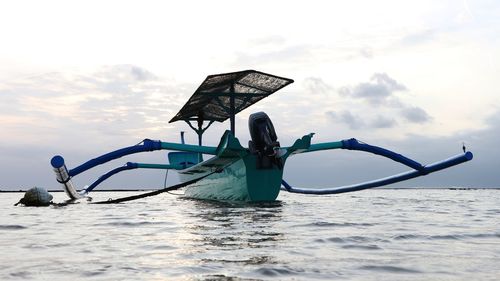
pixel 227 232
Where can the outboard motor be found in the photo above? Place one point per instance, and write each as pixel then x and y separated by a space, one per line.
pixel 264 141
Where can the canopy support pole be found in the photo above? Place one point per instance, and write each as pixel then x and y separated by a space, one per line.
pixel 232 110
pixel 199 131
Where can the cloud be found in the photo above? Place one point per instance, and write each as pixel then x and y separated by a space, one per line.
pixel 382 122
pixel 272 40
pixel 376 104
pixel 141 74
pixel 419 37
pixel 290 53
pixel 316 85
pixel 415 114
pixel 346 117
pixel 357 122
pixel 378 90
pixel 465 16
pixel 366 52
pixel 114 100
pixel 124 73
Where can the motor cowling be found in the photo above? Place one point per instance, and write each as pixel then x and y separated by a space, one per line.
pixel 264 140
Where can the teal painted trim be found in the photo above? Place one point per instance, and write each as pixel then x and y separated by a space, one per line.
pixel 189 148
pixel 230 146
pixel 299 146
pixel 159 166
pixel 303 145
pixel 325 146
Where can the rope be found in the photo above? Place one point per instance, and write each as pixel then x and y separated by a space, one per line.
pixel 153 193
pixel 165 181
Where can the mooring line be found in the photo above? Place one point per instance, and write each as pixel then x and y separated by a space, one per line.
pixel 155 192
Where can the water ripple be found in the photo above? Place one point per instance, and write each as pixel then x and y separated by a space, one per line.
pixel 445 237
pixel 129 223
pixel 361 247
pixel 221 277
pixel 277 271
pixel 389 268
pixel 12 227
pixel 350 239
pixel 257 260
pixel 333 224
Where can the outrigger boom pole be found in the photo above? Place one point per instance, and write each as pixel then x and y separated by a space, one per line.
pixel 424 170
pixel 147 145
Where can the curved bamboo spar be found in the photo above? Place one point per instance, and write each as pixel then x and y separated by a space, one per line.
pixel 147 145
pixel 434 167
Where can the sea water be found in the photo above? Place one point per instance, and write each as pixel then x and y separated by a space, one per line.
pixel 380 234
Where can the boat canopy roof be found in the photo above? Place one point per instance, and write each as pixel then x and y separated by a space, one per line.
pixel 221 96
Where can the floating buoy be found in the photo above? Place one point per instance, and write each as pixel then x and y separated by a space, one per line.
pixel 36 197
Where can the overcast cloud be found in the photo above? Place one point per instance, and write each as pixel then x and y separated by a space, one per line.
pixel 381 104
pixel 421 86
pixel 415 114
pixel 379 90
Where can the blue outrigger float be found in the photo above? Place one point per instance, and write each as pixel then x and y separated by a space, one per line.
pixel 237 173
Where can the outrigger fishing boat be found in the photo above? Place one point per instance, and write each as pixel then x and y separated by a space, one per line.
pixel 234 172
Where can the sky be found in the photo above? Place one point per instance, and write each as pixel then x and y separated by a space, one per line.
pixel 82 78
